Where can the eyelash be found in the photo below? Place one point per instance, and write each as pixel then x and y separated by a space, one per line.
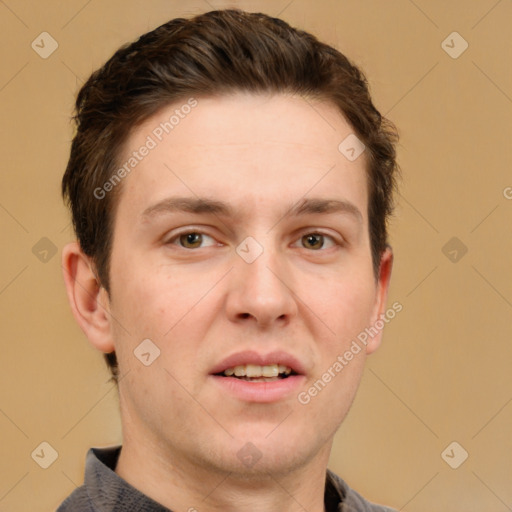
pixel 175 239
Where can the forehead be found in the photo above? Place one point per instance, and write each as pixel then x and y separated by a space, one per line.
pixel 244 149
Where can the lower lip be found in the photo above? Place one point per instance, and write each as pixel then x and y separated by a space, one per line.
pixel 250 391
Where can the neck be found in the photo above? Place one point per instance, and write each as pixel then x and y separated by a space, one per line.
pixel 178 483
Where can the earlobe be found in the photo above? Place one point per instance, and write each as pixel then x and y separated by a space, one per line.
pixel 87 298
pixel 385 267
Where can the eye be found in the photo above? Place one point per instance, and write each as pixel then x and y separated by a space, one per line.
pixel 192 240
pixel 316 241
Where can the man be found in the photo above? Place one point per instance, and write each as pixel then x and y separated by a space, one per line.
pixel 230 181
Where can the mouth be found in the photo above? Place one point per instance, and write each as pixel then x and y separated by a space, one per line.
pixel 256 373
pixel 250 376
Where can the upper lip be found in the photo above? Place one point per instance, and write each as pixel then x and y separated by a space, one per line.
pixel 252 357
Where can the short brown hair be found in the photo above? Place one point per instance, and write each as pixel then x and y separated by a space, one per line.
pixel 211 54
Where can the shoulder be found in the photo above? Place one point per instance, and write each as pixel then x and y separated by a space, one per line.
pixel 98 482
pixel 352 501
pixel 77 501
pixel 355 502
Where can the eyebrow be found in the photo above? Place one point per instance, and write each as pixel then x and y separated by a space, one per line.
pixel 189 205
pixel 205 205
pixel 311 206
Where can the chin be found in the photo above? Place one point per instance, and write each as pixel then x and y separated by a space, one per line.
pixel 258 455
pixel 264 464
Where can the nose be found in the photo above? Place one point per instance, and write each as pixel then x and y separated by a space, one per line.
pixel 261 292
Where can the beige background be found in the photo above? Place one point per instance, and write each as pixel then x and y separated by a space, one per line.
pixel 443 373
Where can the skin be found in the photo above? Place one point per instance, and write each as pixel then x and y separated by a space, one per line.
pixel 261 155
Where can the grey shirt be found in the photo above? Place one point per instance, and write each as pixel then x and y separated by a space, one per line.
pixel 105 491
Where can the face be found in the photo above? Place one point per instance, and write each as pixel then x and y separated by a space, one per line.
pixel 241 238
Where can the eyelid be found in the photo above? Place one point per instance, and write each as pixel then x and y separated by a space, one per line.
pixel 171 240
pixel 174 238
pixel 337 241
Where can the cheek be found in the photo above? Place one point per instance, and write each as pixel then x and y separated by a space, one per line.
pixel 345 305
pixel 166 305
pixel 152 300
pixel 346 308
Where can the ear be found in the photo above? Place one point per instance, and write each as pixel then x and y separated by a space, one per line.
pixel 381 295
pixel 88 299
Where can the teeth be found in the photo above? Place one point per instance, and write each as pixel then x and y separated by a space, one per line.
pixel 270 371
pixel 239 371
pixel 254 370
